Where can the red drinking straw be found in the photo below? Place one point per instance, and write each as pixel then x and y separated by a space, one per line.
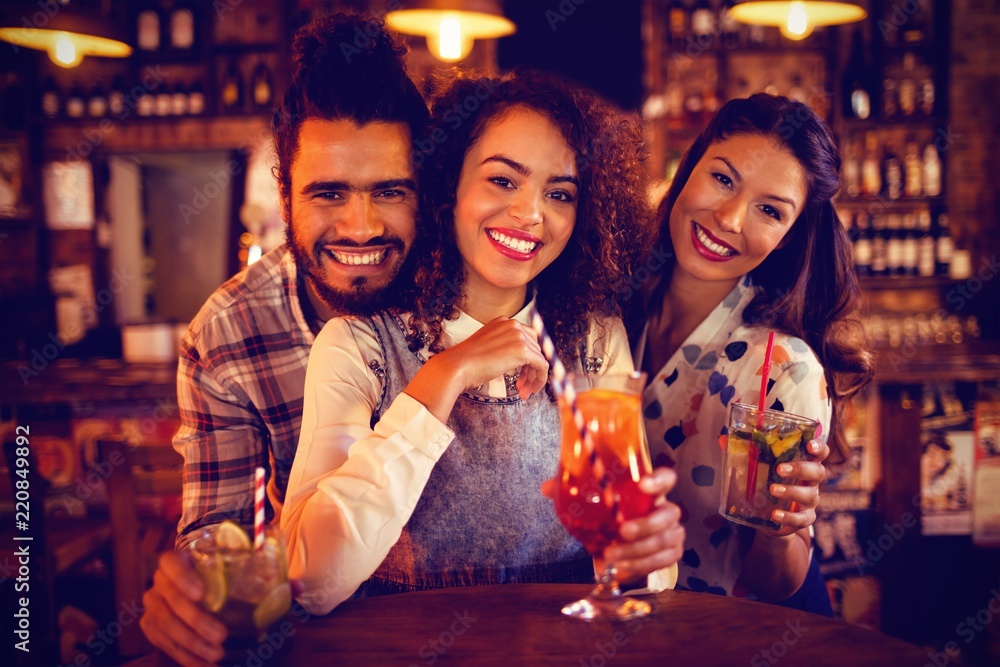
pixel 258 506
pixel 754 450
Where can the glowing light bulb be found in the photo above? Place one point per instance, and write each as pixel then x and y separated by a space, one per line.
pixel 450 39
pixel 64 53
pixel 797 26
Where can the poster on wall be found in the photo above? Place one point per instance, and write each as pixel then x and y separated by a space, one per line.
pixel 68 195
pixel 947 463
pixel 986 501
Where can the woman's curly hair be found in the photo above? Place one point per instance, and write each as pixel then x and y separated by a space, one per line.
pixel 591 275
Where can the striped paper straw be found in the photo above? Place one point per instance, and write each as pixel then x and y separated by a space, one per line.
pixel 563 388
pixel 258 507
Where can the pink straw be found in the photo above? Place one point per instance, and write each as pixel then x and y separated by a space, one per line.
pixel 563 388
pixel 258 506
pixel 754 451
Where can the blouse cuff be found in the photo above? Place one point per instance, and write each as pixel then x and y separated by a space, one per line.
pixel 409 418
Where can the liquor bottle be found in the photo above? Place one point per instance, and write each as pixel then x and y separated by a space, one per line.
pixel 231 90
pixel 148 30
pixel 944 247
pixel 926 95
pixel 880 255
pixel 261 86
pixel 164 100
pixel 50 99
pixel 97 105
pixel 911 250
pixel 856 82
pixel 196 99
pixel 914 169
pixel 678 20
pixel 145 102
pixel 75 105
pixel 179 101
pixel 871 172
pixel 893 173
pixel 862 244
pixel 925 244
pixel 908 85
pixel 932 171
pixel 181 27
pixel 730 26
pixel 852 169
pixel 694 103
pixel 703 22
pixel 116 97
pixel 894 245
pixel 890 96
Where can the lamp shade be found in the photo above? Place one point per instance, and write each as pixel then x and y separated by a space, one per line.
pixel 67 34
pixel 452 26
pixel 796 18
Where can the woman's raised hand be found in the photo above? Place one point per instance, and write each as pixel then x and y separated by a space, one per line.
pixel 502 346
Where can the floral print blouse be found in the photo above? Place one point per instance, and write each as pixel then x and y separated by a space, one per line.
pixel 686 409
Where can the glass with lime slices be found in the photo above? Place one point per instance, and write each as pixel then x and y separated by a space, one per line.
pixel 754 450
pixel 247 589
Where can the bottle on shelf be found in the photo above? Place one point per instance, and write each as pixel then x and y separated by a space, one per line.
pixel 179 100
pixel 231 90
pixel 196 99
pixel 925 244
pixel 97 104
pixel 880 251
pixel 852 169
pixel 148 30
pixel 926 95
pixel 145 102
pixel 913 167
pixel 75 104
pixel 908 85
pixel 116 97
pixel 893 172
pixel 894 245
pixel 856 83
pixel 50 99
pixel 932 171
pixel 182 27
pixel 890 96
pixel 164 100
pixel 703 22
pixel 944 246
pixel 729 26
pixel 262 86
pixel 862 244
pixel 871 171
pixel 678 20
pixel 911 250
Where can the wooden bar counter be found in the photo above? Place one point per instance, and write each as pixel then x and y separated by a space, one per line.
pixel 521 625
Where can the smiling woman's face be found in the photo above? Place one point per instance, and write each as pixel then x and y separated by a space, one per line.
pixel 515 205
pixel 738 204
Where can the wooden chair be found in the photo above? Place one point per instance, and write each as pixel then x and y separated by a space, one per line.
pixel 55 545
pixel 137 471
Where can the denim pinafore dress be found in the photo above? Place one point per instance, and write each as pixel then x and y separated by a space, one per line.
pixel 481 518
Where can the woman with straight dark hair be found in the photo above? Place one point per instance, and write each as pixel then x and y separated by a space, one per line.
pixel 753 245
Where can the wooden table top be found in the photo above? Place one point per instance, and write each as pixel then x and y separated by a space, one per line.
pixel 521 625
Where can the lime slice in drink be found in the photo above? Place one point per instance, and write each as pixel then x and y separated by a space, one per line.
pixel 213 574
pixel 231 537
pixel 782 445
pixel 273 606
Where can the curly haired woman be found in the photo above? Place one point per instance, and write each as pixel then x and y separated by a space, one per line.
pixel 427 432
pixel 754 245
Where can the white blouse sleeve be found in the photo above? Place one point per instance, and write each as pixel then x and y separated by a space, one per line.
pixel 608 339
pixel 352 488
pixel 800 386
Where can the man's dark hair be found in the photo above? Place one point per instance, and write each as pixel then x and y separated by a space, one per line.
pixel 344 67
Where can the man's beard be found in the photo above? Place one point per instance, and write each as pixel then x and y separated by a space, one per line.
pixel 361 298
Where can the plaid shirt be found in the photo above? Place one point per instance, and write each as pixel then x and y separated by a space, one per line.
pixel 239 389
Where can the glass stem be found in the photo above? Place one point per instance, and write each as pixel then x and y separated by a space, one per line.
pixel 607 580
